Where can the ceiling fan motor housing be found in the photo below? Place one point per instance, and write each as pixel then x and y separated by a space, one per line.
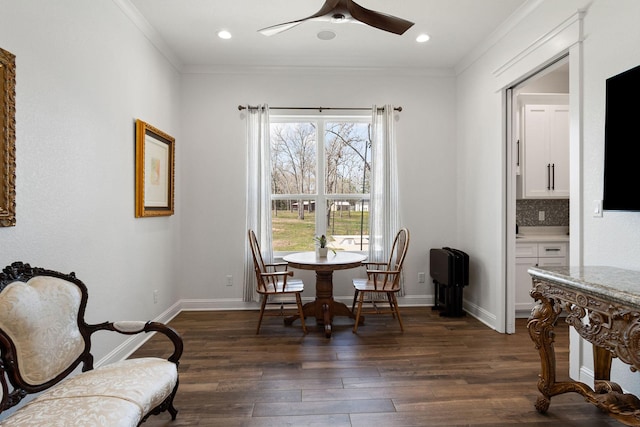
pixel 339 11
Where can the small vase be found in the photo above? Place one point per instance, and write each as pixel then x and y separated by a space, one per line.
pixel 322 252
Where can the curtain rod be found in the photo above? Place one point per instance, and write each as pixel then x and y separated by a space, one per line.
pixel 242 107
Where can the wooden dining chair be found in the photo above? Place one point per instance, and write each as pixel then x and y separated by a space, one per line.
pixel 383 278
pixel 273 280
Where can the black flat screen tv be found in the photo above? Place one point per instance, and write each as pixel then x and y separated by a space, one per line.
pixel 622 142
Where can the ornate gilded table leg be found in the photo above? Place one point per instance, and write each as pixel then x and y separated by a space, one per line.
pixel 614 332
pixel 540 325
pixel 541 330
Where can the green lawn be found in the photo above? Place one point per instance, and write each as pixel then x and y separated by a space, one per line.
pixel 293 234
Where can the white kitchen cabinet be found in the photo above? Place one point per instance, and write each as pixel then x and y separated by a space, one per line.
pixel 545 151
pixel 540 254
pixel 524 302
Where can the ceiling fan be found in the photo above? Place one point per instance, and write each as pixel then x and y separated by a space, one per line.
pixel 346 11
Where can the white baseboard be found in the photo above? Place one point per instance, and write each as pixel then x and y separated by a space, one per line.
pixel 217 304
pixel 125 349
pixel 134 342
pixel 479 313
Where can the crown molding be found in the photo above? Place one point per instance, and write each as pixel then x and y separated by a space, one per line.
pixel 306 71
pixel 498 34
pixel 149 32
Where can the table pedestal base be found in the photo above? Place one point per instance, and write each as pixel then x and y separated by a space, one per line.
pixel 324 311
pixel 324 307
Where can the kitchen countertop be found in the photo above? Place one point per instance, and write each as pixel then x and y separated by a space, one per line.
pixel 542 234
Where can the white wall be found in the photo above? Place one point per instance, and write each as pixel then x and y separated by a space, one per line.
pixel 482 149
pixel 214 130
pixel 84 74
pixel 610 46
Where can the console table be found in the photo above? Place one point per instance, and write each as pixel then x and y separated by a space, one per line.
pixel 603 305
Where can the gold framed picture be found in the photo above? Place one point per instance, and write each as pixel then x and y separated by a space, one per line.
pixel 155 164
pixel 7 139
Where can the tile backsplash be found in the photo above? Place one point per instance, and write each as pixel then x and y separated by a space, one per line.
pixel 556 212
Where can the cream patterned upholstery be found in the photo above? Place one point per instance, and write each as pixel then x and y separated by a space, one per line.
pixel 40 317
pixel 43 338
pixel 136 386
pixel 94 411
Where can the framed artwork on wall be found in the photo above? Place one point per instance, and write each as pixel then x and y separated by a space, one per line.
pixel 7 139
pixel 155 164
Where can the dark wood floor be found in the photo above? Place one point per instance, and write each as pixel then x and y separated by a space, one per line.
pixel 440 372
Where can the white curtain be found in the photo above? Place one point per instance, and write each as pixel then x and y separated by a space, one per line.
pixel 258 192
pixel 384 219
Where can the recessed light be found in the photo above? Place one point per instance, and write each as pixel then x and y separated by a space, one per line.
pixel 422 38
pixel 224 34
pixel 326 35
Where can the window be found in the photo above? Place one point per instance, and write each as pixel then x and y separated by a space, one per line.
pixel 320 169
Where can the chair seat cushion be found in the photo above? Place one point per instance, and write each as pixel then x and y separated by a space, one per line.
pixel 364 285
pixel 114 395
pixel 293 285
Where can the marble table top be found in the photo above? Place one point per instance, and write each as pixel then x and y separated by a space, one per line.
pixel 615 284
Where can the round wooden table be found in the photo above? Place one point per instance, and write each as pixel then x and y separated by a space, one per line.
pixel 325 307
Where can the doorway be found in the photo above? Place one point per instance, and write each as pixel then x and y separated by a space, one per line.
pixel 538 171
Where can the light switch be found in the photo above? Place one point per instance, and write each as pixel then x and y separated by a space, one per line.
pixel 597 208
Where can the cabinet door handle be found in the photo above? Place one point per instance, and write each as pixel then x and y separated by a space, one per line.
pixel 553 176
pixel 552 249
pixel 548 176
pixel 518 153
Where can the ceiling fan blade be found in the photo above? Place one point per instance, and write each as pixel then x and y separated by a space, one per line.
pixel 378 20
pixel 324 11
pixel 275 29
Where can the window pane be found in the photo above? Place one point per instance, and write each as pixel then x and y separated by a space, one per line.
pixel 348 153
pixel 303 200
pixel 348 224
pixel 293 158
pixel 293 225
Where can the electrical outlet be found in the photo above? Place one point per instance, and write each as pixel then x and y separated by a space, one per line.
pixel 421 277
pixel 155 296
pixel 540 215
pixel 229 280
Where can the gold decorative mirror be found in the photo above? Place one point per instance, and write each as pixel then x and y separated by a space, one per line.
pixel 7 139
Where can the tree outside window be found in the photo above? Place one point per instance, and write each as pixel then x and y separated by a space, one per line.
pixel 316 194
